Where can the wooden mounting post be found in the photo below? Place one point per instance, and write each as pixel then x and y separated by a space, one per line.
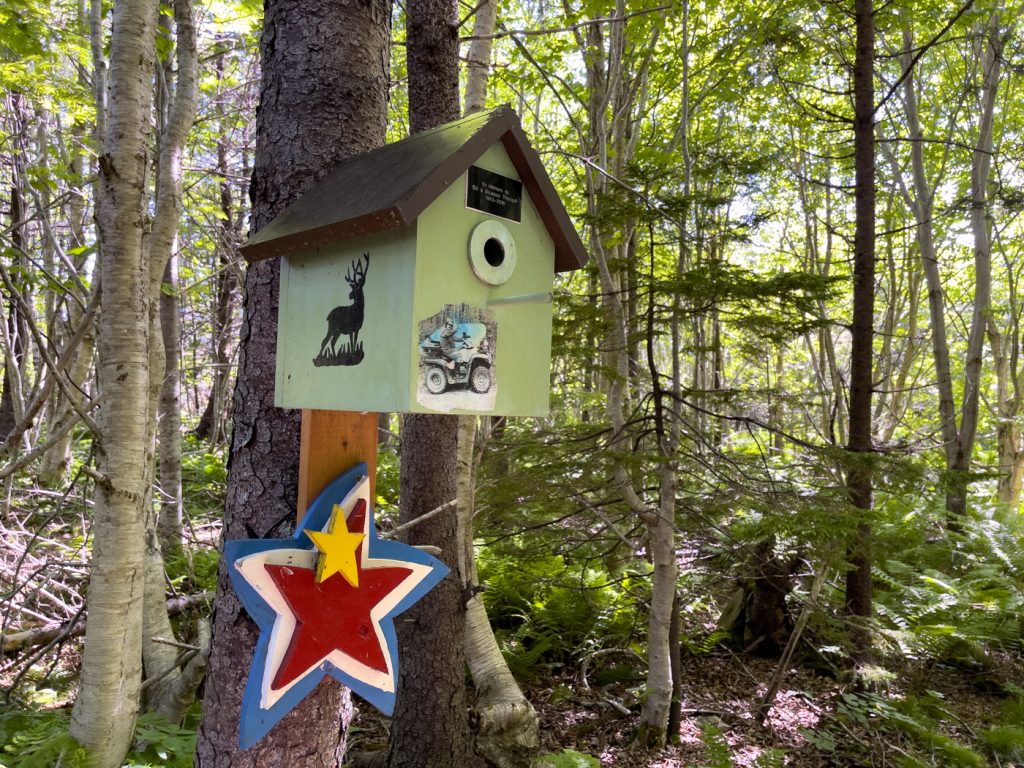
pixel 332 442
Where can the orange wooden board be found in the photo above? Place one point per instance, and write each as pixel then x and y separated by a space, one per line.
pixel 332 442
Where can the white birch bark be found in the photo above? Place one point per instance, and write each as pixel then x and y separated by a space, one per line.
pixel 507 726
pixel 169 688
pixel 957 439
pixel 478 60
pixel 990 59
pixel 507 729
pixel 103 717
pixel 611 142
pixel 1010 442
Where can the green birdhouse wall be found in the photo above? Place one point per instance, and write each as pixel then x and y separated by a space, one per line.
pixel 434 298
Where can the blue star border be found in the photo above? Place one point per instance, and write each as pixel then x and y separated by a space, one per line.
pixel 256 721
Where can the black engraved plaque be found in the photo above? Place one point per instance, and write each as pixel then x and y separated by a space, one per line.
pixel 495 194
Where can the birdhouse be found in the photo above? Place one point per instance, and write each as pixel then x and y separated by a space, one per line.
pixel 418 277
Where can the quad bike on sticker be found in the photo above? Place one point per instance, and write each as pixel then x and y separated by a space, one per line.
pixel 457 356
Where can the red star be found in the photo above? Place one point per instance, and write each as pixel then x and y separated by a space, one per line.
pixel 332 615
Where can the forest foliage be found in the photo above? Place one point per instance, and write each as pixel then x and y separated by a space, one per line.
pixel 693 470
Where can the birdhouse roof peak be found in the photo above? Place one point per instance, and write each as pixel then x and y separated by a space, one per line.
pixel 388 187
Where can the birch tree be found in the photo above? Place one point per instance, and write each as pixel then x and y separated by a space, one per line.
pixel 170 688
pixel 104 713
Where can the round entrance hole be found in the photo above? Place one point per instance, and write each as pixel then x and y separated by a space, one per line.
pixel 494 252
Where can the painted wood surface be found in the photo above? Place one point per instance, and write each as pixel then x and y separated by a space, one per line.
pixel 313 286
pixel 522 355
pixel 412 275
pixel 311 629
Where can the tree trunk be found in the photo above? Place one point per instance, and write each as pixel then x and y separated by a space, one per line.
pixel 103 717
pixel 57 458
pixel 507 729
pixel 169 688
pixel 662 672
pixel 1010 441
pixel 12 401
pixel 990 58
pixel 479 57
pixel 323 98
pixel 169 417
pixel 430 728
pixel 506 722
pixel 858 478
pixel 211 426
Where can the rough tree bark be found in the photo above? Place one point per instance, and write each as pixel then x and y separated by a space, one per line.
pixel 858 477
pixel 323 98
pixel 430 728
pixel 104 713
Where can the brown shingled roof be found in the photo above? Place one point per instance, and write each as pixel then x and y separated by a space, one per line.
pixel 389 187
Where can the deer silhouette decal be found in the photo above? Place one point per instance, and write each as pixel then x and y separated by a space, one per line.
pixel 346 320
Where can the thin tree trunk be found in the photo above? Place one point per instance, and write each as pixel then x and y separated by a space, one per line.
pixel 57 458
pixel 211 426
pixel 169 417
pixel 858 478
pixel 478 58
pixel 507 726
pixel 339 52
pixel 169 688
pixel 662 673
pixel 175 116
pixel 12 402
pixel 990 58
pixel 506 722
pixel 430 727
pixel 1010 442
pixel 103 717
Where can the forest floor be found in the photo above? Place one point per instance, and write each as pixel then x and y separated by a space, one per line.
pixel 721 695
pixel 722 691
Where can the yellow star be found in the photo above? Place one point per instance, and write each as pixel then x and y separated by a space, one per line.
pixel 337 549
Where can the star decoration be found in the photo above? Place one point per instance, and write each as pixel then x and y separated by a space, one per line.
pixel 337 549
pixel 314 619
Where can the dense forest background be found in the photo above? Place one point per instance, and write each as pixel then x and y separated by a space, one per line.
pixel 773 517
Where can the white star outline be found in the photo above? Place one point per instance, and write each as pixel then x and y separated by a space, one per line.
pixel 252 569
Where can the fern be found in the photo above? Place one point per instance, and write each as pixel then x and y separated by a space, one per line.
pixel 1006 742
pixel 568 758
pixel 935 606
pixel 38 740
pixel 545 611
pixel 716 748
pixel 34 739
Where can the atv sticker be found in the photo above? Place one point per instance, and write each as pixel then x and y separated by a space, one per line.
pixel 457 359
